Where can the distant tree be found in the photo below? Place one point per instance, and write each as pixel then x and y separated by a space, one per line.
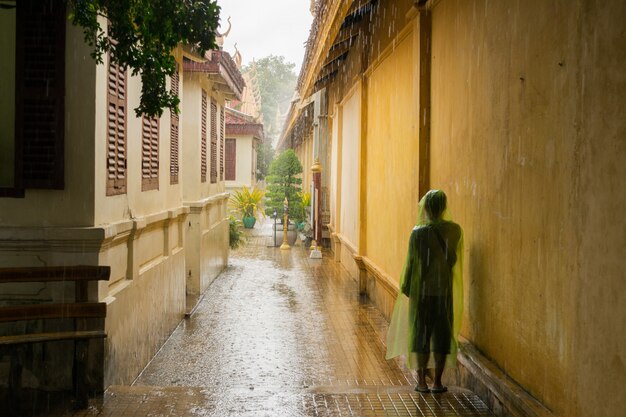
pixel 284 181
pixel 142 34
pixel 277 82
pixel 264 157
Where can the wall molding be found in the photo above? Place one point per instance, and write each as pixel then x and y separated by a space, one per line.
pixel 198 206
pixel 501 393
pixel 81 239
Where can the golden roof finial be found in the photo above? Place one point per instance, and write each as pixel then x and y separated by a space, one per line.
pixel 237 57
pixel 219 37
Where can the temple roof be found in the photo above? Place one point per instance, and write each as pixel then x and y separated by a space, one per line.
pixel 238 123
pixel 222 70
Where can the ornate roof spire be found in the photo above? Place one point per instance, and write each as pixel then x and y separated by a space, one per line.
pixel 237 57
pixel 219 38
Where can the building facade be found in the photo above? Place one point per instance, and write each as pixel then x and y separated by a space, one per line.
pixel 85 181
pixel 243 136
pixel 512 108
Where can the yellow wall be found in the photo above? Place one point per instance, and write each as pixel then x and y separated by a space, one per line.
pixel 334 165
pixel 7 97
pixel 392 158
pixel 528 141
pixel 350 167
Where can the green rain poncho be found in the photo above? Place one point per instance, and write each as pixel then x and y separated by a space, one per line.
pixel 432 276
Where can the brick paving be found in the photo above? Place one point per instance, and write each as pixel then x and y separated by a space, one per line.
pixel 278 334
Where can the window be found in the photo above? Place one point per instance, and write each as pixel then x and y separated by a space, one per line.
pixel 213 141
pixel 222 143
pixel 231 160
pixel 149 153
pixel 34 103
pixel 203 129
pixel 174 120
pixel 116 129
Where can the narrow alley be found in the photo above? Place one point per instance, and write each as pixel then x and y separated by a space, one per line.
pixel 278 334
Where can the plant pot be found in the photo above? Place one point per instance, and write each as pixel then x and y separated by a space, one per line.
pixel 292 234
pixel 248 222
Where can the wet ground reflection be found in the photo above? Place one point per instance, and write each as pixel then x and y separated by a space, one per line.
pixel 278 334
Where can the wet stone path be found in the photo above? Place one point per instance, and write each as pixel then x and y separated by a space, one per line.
pixel 278 334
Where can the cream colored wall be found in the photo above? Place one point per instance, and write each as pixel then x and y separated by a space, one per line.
pixel 392 157
pixel 334 166
pixel 74 205
pixel 528 141
pixel 146 293
pixel 7 97
pixel 244 165
pixel 193 188
pixel 304 152
pixel 207 228
pixel 207 232
pixel 350 167
pixel 134 203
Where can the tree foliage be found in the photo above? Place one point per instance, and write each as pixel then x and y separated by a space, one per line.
pixel 264 157
pixel 277 83
pixel 284 181
pixel 141 35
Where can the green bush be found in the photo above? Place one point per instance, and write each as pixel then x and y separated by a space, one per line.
pixel 284 181
pixel 236 237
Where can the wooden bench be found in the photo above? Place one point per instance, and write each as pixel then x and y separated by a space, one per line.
pixel 80 310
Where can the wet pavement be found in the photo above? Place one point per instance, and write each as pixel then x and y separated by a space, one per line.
pixel 278 334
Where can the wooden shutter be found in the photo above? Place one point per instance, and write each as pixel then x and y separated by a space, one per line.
pixel 116 129
pixel 203 139
pixel 213 141
pixel 149 153
pixel 231 160
pixel 174 119
pixel 222 143
pixel 40 94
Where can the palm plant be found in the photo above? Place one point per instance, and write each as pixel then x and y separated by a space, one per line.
pixel 248 203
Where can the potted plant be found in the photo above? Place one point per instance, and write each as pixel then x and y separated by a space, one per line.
pixel 283 182
pixel 248 204
pixel 305 202
pixel 235 234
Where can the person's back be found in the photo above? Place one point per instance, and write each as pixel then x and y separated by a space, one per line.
pixel 432 282
pixel 436 246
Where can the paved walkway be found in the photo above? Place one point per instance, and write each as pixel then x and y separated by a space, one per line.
pixel 278 334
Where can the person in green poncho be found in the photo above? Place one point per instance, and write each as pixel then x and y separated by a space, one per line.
pixel 426 319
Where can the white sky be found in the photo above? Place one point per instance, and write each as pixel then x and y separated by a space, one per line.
pixel 267 27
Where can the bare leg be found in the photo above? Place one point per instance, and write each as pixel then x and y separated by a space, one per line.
pixel 440 362
pixel 422 361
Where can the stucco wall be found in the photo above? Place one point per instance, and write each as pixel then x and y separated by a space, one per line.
pixel 207 233
pixel 135 202
pixel 193 188
pixel 350 167
pixel 59 207
pixel 143 307
pixel 392 158
pixel 243 163
pixel 528 141
pixel 334 165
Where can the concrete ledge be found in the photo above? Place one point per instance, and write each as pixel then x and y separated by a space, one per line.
pixel 198 206
pixel 502 394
